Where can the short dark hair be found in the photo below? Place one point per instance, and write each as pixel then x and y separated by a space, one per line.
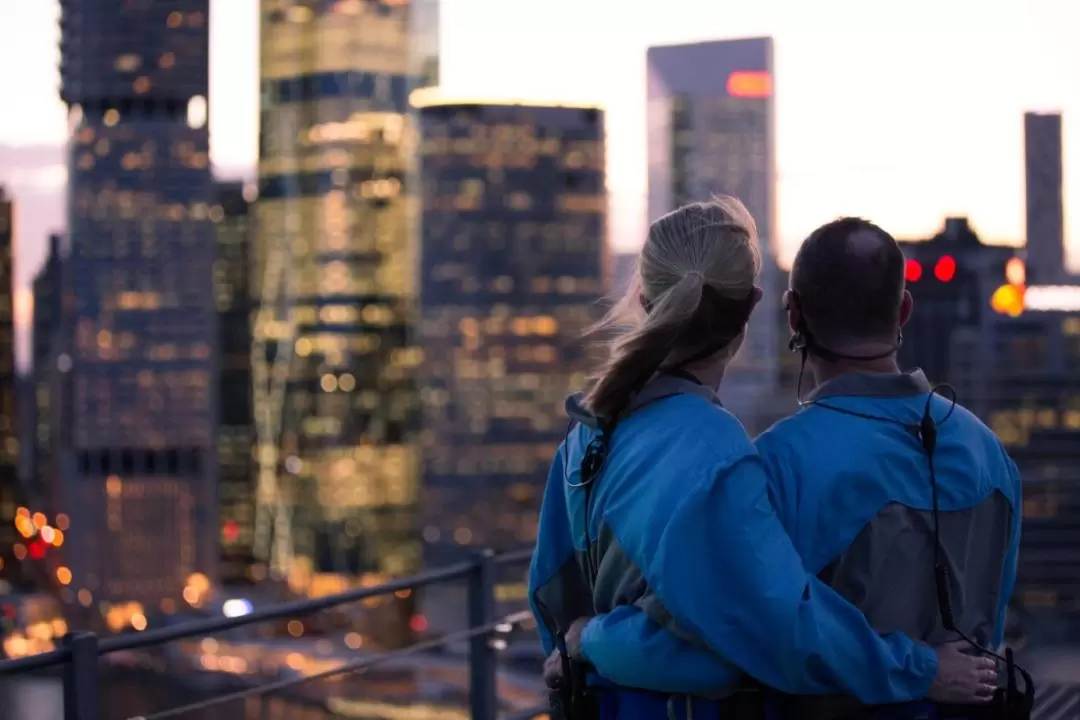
pixel 849 278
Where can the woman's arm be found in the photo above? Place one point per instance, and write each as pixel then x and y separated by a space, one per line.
pixel 629 649
pixel 728 573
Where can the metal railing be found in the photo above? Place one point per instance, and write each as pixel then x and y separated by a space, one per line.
pixel 79 652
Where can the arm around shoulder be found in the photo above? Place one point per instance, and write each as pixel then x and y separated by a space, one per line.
pixel 628 648
pixel 728 573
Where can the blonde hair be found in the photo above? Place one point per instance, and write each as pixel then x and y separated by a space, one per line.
pixel 698 264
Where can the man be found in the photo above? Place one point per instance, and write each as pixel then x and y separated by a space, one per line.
pixel 853 477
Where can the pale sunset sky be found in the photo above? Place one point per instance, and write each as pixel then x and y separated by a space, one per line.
pixel 902 112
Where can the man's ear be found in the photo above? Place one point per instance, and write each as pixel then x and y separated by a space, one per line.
pixel 907 306
pixel 793 315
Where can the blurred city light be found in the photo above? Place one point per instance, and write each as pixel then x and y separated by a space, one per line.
pixel 945 269
pixel 1050 298
pixel 749 84
pixel 912 270
pixel 236 607
pixel 1015 272
pixel 1008 300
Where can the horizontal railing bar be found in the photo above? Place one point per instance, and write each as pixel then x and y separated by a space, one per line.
pixel 349 667
pixel 513 557
pixel 135 641
pixel 30 663
pixel 529 714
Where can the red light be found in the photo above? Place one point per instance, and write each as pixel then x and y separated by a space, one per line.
pixel 37 549
pixel 230 532
pixel 418 623
pixel 945 270
pixel 912 271
pixel 749 84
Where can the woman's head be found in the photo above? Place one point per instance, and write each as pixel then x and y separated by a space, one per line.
pixel 689 301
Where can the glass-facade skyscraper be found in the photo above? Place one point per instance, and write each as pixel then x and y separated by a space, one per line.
pixel 513 255
pixel 136 348
pixel 710 115
pixel 334 357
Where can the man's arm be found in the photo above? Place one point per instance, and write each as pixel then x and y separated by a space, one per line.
pixel 629 649
pixel 752 602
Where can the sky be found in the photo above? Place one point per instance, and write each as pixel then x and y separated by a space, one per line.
pixel 900 112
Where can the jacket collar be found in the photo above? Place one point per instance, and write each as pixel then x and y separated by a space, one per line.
pixel 869 384
pixel 663 386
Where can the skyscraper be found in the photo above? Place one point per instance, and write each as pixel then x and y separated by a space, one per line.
pixel 334 355
pixel 623 266
pixel 138 457
pixel 711 123
pixel 12 574
pixel 952 278
pixel 514 223
pixel 1045 207
pixel 46 291
pixel 236 431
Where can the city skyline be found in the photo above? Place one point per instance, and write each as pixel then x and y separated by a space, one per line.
pixel 363 374
pixel 910 150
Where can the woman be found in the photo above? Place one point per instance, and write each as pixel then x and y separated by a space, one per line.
pixel 657 502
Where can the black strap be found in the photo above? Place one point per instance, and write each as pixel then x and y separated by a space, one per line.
pixel 592 465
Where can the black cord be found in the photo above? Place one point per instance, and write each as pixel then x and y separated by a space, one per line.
pixel 926 433
pixel 593 461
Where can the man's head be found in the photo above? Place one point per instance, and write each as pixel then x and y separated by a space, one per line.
pixel 848 283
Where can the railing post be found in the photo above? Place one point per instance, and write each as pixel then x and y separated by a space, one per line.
pixel 82 689
pixel 482 694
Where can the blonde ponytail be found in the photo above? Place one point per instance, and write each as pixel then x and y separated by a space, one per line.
pixel 638 354
pixel 697 250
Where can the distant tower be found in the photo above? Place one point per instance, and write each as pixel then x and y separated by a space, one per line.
pixel 711 132
pixel 622 267
pixel 334 353
pixel 136 346
pixel 46 290
pixel 514 225
pixel 231 214
pixel 12 545
pixel 1045 207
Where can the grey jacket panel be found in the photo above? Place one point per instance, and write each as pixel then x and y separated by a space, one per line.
pixel 888 571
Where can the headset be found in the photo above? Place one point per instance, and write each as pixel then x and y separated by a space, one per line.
pixel 925 432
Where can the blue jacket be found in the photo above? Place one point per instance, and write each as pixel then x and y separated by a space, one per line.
pixel 681 533
pixel 855 496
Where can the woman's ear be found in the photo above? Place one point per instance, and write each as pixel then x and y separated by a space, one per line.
pixel 758 294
